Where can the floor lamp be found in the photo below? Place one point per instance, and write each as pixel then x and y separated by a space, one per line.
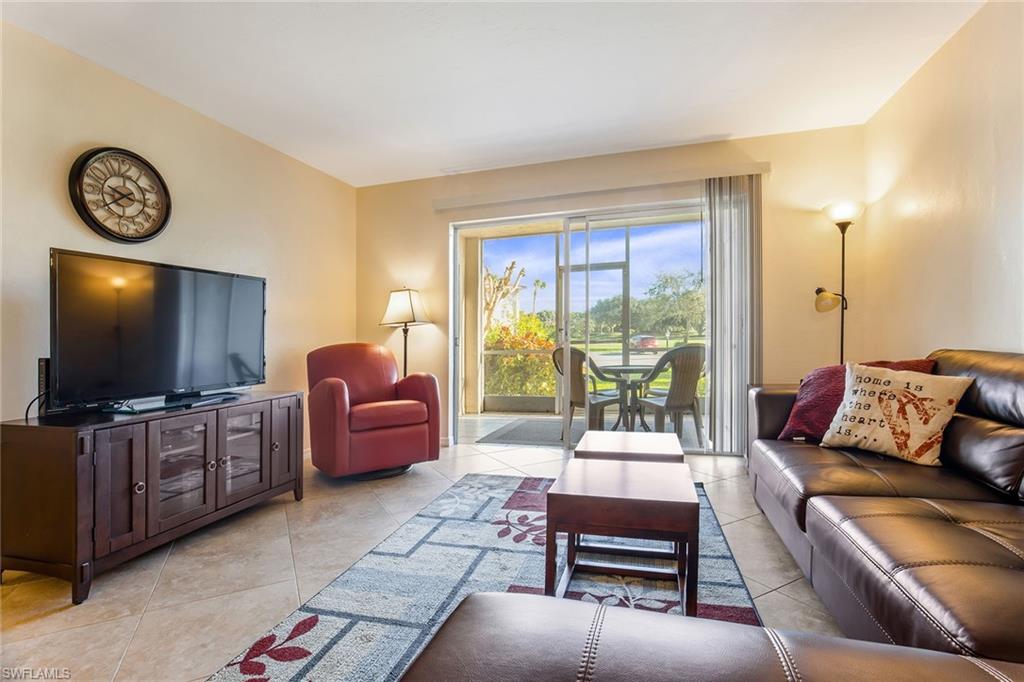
pixel 405 309
pixel 843 214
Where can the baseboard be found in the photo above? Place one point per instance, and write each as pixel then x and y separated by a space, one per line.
pixel 445 441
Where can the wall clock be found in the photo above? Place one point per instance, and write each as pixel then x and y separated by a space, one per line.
pixel 119 195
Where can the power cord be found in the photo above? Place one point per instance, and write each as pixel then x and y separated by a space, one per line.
pixel 29 406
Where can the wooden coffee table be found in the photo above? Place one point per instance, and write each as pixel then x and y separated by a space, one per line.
pixel 643 500
pixel 630 446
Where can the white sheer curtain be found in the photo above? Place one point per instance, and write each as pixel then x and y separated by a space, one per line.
pixel 732 215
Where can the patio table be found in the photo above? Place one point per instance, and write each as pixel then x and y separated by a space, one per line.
pixel 633 377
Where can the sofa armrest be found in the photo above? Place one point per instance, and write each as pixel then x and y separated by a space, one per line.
pixel 423 387
pixel 769 409
pixel 328 406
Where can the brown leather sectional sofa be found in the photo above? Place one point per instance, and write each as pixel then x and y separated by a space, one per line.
pixel 505 637
pixel 928 557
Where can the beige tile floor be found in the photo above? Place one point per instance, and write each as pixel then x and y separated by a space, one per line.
pixel 184 610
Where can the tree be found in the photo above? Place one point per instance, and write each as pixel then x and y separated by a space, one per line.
pixel 677 300
pixel 606 315
pixel 547 318
pixel 643 316
pixel 497 289
pixel 538 284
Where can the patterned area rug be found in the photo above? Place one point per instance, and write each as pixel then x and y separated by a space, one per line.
pixel 485 534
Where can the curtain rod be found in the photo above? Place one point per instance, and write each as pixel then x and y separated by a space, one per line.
pixel 660 180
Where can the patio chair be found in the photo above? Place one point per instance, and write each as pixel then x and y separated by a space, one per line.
pixel 599 400
pixel 686 364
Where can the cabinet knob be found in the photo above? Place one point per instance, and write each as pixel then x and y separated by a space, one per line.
pixel 140 488
pixel 275 446
pixel 223 461
pixel 211 465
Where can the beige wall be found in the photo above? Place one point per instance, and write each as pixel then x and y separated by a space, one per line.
pixel 936 261
pixel 238 206
pixel 404 240
pixel 944 158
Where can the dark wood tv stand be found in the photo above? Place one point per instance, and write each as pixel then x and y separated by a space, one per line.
pixel 82 493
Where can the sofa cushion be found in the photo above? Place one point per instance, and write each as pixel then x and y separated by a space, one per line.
pixel 821 393
pixel 796 472
pixel 982 448
pixel 987 450
pixel 511 637
pixel 938 574
pixel 901 414
pixel 385 414
pixel 998 389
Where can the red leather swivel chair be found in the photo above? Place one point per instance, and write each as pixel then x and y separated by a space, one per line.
pixel 362 418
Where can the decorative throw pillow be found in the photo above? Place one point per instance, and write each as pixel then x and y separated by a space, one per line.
pixel 821 393
pixel 901 414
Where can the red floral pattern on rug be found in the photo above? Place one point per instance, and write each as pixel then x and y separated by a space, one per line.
pixel 525 528
pixel 265 646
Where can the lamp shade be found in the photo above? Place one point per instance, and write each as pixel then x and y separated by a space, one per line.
pixel 405 307
pixel 844 211
pixel 826 300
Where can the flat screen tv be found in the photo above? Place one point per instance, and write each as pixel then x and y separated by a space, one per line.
pixel 122 329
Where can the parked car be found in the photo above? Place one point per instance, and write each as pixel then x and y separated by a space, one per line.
pixel 643 342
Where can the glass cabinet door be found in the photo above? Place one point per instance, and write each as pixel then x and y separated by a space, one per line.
pixel 181 470
pixel 243 464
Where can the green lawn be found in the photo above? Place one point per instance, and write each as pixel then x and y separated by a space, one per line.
pixel 663 380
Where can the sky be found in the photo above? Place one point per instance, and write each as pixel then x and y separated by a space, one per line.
pixel 673 247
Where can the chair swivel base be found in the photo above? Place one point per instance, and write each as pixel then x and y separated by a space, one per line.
pixel 382 473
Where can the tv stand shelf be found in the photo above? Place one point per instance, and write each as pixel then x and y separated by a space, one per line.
pixel 83 493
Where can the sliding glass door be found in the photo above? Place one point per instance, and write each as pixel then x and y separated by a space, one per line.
pixel 633 328
pixel 594 321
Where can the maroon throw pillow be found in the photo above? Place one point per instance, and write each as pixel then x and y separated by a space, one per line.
pixel 821 393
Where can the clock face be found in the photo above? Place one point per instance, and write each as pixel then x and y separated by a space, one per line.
pixel 120 195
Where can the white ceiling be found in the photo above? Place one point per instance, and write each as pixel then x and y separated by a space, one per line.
pixel 375 93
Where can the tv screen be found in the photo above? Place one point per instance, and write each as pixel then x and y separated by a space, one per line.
pixel 122 329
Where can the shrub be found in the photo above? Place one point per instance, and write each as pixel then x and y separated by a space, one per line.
pixel 528 374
